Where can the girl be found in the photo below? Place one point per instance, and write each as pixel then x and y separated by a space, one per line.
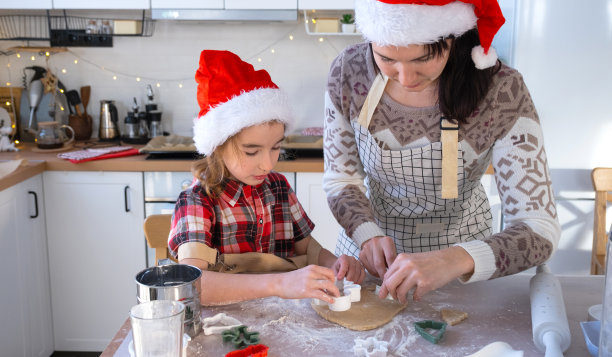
pixel 240 216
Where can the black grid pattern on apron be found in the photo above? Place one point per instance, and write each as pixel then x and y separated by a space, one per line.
pixel 404 190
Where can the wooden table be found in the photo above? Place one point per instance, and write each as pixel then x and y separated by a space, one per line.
pixel 499 310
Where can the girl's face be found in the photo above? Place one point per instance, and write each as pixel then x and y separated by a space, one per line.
pixel 255 152
pixel 411 66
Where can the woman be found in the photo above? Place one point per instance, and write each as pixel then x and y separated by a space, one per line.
pixel 413 119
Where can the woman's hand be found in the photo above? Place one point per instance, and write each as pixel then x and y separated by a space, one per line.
pixel 350 268
pixel 313 281
pixel 377 254
pixel 424 272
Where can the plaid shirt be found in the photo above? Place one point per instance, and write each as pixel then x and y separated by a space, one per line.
pixel 266 218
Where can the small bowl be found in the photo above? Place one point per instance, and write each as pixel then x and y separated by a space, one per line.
pixel 590 329
pixel 595 312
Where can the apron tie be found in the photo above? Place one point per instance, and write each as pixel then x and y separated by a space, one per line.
pixel 449 138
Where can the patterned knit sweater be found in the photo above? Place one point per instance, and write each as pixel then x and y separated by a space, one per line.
pixel 504 130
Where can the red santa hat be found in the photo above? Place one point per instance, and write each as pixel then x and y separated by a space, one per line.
pixel 408 22
pixel 232 96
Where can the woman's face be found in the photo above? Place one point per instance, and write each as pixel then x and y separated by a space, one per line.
pixel 411 67
pixel 255 152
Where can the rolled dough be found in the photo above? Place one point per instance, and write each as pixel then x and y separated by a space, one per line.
pixel 369 313
pixel 453 317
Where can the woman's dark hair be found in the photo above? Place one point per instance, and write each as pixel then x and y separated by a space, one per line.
pixel 461 86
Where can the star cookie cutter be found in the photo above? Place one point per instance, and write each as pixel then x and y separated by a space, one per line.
pixel 250 351
pixel 240 337
pixel 370 347
pixel 220 322
pixel 428 328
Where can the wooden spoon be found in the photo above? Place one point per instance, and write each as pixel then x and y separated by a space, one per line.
pixel 85 94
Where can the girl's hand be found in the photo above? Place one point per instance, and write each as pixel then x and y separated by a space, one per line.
pixel 313 281
pixel 350 268
pixel 424 272
pixel 377 254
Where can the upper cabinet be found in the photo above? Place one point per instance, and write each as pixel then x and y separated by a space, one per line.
pixel 325 4
pixel 261 4
pixel 187 4
pixel 225 10
pixel 101 4
pixel 27 4
pixel 225 4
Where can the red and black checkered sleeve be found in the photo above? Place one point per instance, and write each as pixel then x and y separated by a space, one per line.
pixel 192 219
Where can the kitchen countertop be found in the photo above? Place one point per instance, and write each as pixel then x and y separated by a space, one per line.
pixel 37 162
pixel 499 310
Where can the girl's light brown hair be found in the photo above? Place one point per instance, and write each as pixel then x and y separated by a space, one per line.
pixel 211 171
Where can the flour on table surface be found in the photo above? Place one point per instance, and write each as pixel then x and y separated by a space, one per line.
pixel 293 328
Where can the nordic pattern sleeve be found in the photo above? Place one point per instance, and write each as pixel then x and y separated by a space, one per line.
pixel 191 221
pixel 532 230
pixel 343 179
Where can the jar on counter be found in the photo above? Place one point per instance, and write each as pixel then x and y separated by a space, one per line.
pixel 92 27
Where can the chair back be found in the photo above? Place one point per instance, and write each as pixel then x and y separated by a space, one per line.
pixel 602 183
pixel 157 229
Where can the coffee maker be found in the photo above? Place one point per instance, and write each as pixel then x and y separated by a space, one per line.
pixel 109 130
pixel 135 126
pixel 153 115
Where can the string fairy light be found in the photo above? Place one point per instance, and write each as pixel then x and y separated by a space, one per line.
pixel 259 56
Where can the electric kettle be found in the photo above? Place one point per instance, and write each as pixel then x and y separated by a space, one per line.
pixel 109 128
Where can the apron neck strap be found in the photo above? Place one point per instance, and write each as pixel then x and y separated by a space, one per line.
pixel 449 136
pixel 374 94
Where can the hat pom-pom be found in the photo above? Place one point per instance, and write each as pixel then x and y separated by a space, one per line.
pixel 484 60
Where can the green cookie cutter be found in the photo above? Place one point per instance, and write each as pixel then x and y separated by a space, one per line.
pixel 427 329
pixel 240 337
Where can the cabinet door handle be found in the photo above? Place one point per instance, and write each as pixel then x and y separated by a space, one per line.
pixel 35 203
pixel 125 196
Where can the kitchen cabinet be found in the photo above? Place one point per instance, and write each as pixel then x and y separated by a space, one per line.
pixel 309 190
pixel 96 248
pixel 326 4
pixel 261 5
pixel 27 4
pixel 187 4
pixel 225 4
pixel 101 4
pixel 25 318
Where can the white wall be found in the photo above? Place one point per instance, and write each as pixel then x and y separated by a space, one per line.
pixel 171 56
pixel 562 48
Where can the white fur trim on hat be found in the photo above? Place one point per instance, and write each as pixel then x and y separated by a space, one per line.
pixel 409 24
pixel 247 109
pixel 482 60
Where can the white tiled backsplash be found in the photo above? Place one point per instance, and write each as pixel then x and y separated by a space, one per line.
pixel 170 57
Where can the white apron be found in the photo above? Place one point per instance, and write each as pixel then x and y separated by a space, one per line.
pixel 404 189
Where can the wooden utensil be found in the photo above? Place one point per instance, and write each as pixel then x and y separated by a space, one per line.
pixel 85 94
pixel 81 123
